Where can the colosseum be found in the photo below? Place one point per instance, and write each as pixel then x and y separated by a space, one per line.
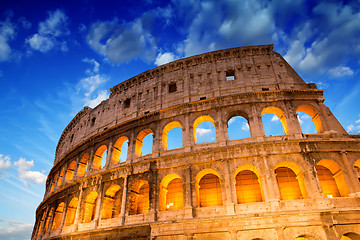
pixel 294 186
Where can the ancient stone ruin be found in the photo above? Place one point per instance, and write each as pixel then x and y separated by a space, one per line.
pixel 292 186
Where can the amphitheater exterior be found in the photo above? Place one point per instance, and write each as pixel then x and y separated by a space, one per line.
pixel 291 186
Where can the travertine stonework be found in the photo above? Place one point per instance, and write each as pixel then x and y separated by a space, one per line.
pixel 317 199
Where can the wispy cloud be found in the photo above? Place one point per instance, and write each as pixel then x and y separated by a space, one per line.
pixel 163 58
pixel 89 87
pixel 28 176
pixel 123 41
pixel 7 33
pixel 354 128
pixel 4 163
pixel 275 118
pixel 50 33
pixel 13 230
pixel 203 132
pixel 245 127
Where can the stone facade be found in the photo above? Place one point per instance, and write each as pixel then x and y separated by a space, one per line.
pixel 89 196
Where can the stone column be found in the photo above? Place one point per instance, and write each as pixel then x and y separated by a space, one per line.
pixel 188 138
pixel 153 190
pixel 78 208
pixel 293 124
pixel 99 203
pixel 220 129
pixel 44 221
pixel 255 123
pixel 76 166
pixel 229 189
pixel 157 144
pixel 188 206
pixel 91 160
pixel 350 176
pixel 123 200
pixel 310 177
pixel 272 190
pixel 109 154
pixel 131 147
pixel 64 174
pixel 62 221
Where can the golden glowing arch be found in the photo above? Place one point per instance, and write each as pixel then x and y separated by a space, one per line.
pixel 166 130
pixel 139 141
pixel 171 192
pixel 71 211
pixel 83 165
pixel 116 153
pixel 98 157
pixel 201 119
pixel 313 113
pixel 279 113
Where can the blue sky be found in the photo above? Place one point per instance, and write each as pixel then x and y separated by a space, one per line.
pixel 58 56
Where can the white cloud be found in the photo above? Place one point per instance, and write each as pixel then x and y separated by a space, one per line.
pixel 4 163
pixel 50 33
pixel 203 131
pixel 232 120
pixel 354 128
pixel 26 175
pixel 121 42
pixel 24 23
pixel 275 118
pixel 14 230
pixel 245 126
pixel 101 96
pixel 341 71
pixel 41 43
pixel 163 58
pixel 299 119
pixel 7 33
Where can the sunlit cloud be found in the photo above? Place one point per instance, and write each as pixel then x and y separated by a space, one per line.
pixel 28 176
pixel 12 230
pixel 354 128
pixel 7 33
pixel 163 58
pixel 341 71
pixel 245 126
pixel 203 132
pixel 4 163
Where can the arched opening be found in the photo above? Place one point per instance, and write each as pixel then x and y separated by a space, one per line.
pixel 290 181
pixel 89 207
pixel 208 189
pixel 144 142
pixel 171 192
pixel 248 185
pixel 350 236
pixel 83 165
pixel 238 128
pixel 53 184
pixel 41 223
pixel 139 198
pixel 204 129
pixel 172 136
pixel 331 179
pixel 307 126
pixel 71 211
pixel 100 157
pixel 120 150
pixel 57 218
pixel 48 218
pixel 70 171
pixel 112 202
pixel 59 180
pixel 274 121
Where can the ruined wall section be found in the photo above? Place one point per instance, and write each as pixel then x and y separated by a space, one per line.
pixel 200 77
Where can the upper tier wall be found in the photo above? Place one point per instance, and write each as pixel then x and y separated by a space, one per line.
pixel 191 79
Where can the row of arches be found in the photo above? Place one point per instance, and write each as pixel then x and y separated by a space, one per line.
pixel 238 126
pixel 208 188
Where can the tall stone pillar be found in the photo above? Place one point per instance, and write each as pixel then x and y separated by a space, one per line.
pixel 91 160
pixel 188 206
pixel 272 190
pixel 220 129
pixel 109 154
pixel 123 200
pixel 350 176
pixel 229 189
pixel 188 138
pixel 78 208
pixel 99 202
pixel 255 123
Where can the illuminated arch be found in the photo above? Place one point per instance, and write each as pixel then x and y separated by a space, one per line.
pixel 111 202
pixel 313 113
pixel 171 192
pixel 70 171
pixel 201 119
pixel 140 139
pixel 48 218
pixel 208 188
pixel 98 157
pixel 330 173
pixel 168 127
pixel 279 113
pixel 89 207
pixel 350 236
pixel 82 165
pixel 60 177
pixel 41 223
pixel 53 183
pixel 248 184
pixel 139 197
pixel 71 211
pixel 290 181
pixel 57 217
pixel 116 153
